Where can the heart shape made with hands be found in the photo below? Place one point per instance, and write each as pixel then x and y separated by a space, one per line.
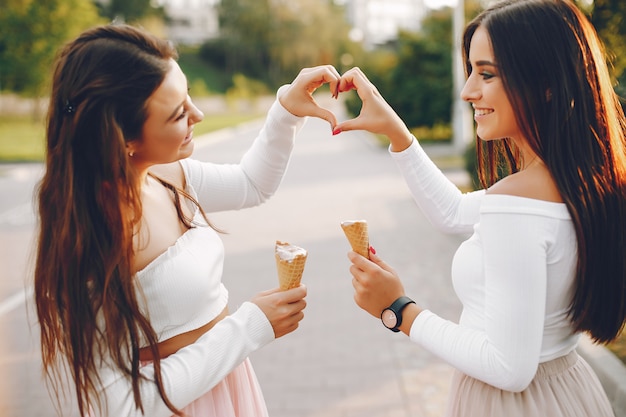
pixel 375 114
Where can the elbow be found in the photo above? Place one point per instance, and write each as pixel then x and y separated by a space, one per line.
pixel 515 386
pixel 452 227
pixel 516 380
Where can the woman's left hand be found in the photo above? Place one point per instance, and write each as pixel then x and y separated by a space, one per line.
pixel 298 97
pixel 375 283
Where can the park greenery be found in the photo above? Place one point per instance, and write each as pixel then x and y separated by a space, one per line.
pixel 264 43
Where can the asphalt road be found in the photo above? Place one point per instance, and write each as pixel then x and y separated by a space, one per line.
pixel 341 362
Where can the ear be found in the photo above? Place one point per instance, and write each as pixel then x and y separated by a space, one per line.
pixel 131 146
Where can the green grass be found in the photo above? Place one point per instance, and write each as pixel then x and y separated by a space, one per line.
pixel 22 139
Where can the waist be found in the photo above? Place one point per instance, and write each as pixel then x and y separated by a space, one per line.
pixel 173 344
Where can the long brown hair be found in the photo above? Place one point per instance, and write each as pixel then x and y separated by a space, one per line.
pixel 555 74
pixel 89 207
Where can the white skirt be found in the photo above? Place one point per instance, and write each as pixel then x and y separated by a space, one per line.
pixel 563 387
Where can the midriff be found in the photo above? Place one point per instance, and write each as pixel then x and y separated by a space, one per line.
pixel 173 344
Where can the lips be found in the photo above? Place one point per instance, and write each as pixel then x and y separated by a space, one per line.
pixel 188 138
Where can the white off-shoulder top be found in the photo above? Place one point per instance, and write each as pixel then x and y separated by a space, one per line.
pixel 182 288
pixel 514 277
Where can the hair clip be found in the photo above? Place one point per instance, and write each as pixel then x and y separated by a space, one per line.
pixel 69 107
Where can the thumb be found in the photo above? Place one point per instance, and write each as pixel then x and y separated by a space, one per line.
pixel 324 114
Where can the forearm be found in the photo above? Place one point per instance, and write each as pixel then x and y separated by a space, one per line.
pixel 193 370
pixel 440 200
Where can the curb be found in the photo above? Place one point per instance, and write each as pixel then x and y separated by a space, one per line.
pixel 610 370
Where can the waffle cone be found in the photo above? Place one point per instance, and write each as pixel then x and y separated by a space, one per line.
pixel 289 270
pixel 356 232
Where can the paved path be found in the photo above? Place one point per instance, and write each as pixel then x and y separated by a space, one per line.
pixel 341 362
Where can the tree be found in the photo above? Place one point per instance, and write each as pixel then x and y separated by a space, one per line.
pixel 418 82
pixel 32 32
pixel 272 40
pixel 130 11
pixel 609 19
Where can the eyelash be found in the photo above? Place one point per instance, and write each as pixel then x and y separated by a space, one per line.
pixel 486 75
pixel 182 115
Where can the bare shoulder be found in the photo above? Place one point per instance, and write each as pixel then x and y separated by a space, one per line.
pixel 172 173
pixel 536 183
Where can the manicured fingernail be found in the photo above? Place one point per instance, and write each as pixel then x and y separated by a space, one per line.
pixel 372 250
pixel 336 132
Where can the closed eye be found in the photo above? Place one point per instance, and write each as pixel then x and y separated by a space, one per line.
pixel 182 115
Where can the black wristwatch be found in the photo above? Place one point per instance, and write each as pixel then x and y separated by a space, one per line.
pixel 392 315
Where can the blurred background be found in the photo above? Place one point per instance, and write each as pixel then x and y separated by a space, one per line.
pixel 235 54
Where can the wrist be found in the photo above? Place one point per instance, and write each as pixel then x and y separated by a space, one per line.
pixel 393 317
pixel 401 141
pixel 409 314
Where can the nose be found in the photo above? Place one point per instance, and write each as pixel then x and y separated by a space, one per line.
pixel 195 114
pixel 470 91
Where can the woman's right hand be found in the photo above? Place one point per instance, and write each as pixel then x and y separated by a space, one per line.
pixel 376 114
pixel 283 309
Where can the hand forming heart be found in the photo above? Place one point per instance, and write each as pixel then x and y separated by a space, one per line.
pixel 376 114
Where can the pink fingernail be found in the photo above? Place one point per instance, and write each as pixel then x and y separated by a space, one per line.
pixel 336 132
pixel 372 250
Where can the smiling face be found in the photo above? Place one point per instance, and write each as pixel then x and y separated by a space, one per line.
pixel 493 112
pixel 168 130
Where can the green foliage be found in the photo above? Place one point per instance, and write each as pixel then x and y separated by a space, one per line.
pixel 415 74
pixel 609 19
pixel 272 40
pixel 32 31
pixel 438 133
pixel 131 11
pixel 244 87
pixel 200 71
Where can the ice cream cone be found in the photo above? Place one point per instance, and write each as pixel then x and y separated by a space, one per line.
pixel 290 260
pixel 356 232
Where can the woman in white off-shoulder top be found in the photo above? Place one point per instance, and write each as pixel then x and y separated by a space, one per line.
pixel 545 261
pixel 128 279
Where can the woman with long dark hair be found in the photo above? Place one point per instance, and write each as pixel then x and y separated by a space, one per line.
pixel 128 273
pixel 546 260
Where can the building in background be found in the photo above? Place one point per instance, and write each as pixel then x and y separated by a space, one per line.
pixel 376 22
pixel 191 22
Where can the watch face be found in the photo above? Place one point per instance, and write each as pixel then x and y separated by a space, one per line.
pixel 389 319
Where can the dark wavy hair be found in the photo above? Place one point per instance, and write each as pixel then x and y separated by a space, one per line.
pixel 555 75
pixel 89 208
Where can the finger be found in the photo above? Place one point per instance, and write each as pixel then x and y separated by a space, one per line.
pixel 348 125
pixel 268 292
pixel 322 113
pixel 353 79
pixel 294 294
pixel 378 261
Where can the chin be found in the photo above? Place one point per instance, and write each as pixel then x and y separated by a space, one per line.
pixel 186 151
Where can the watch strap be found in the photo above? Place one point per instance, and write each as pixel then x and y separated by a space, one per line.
pixel 397 307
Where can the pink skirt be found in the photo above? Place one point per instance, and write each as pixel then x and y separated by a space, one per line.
pixel 563 387
pixel 237 395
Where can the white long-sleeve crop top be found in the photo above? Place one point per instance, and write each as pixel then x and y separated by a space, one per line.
pixel 182 288
pixel 514 277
